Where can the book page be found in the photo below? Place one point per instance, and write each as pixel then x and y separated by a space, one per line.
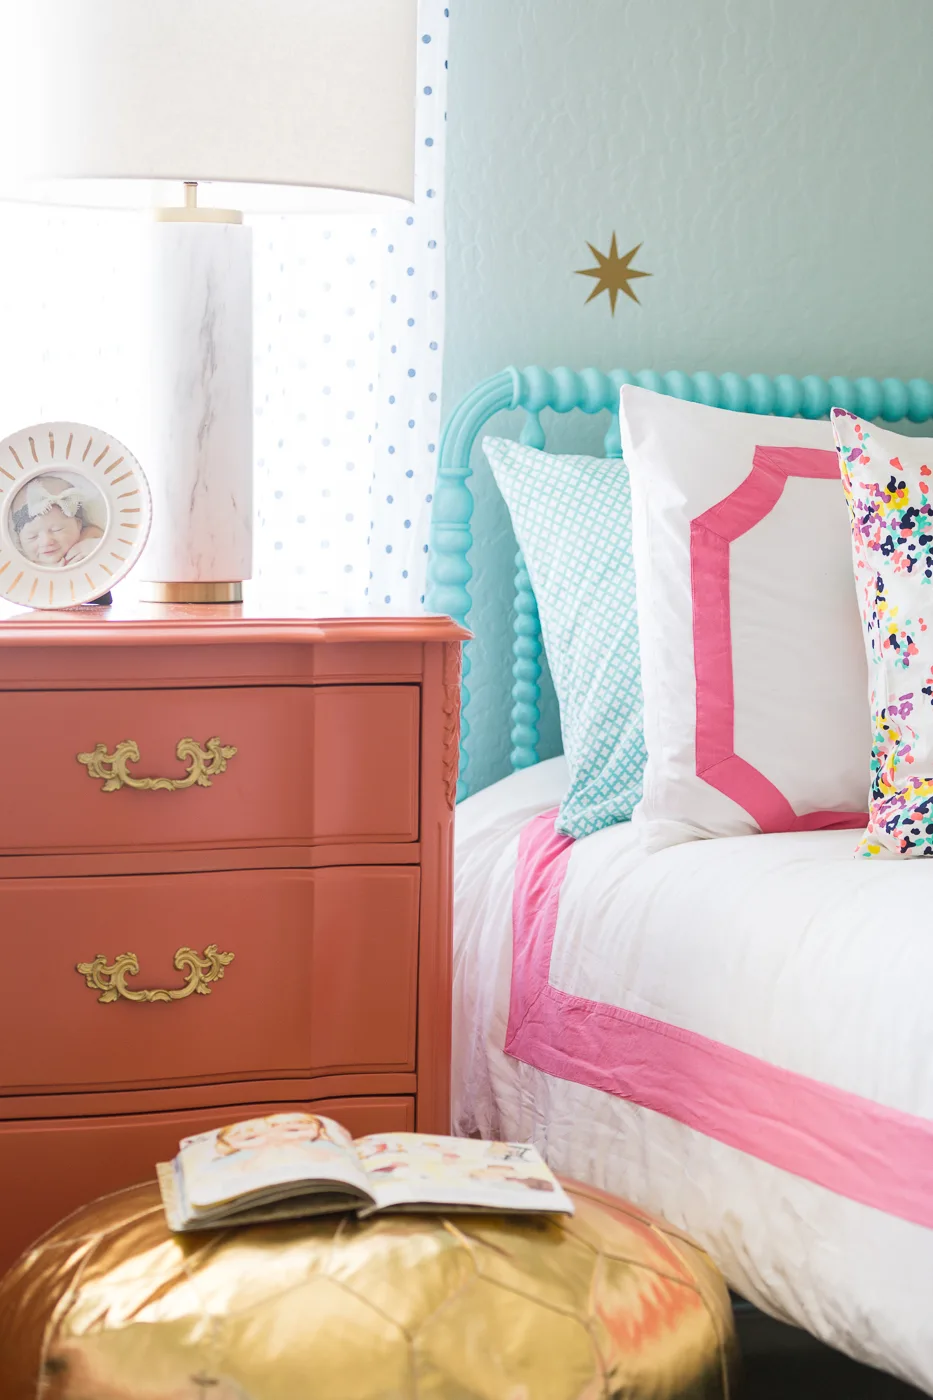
pixel 416 1169
pixel 266 1157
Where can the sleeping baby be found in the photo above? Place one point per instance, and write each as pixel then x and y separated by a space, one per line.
pixel 51 526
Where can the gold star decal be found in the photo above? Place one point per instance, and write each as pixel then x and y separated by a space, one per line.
pixel 613 273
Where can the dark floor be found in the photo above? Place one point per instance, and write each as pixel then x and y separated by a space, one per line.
pixel 783 1363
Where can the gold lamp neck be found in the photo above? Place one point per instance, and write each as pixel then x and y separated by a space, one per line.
pixel 191 212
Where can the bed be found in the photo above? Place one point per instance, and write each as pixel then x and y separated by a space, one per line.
pixel 724 1031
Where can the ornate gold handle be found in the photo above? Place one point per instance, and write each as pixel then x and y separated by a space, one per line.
pixel 110 978
pixel 204 764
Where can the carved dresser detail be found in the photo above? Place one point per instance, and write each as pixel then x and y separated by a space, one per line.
pixel 225 884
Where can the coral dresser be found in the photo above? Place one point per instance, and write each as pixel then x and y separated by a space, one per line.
pixel 225 882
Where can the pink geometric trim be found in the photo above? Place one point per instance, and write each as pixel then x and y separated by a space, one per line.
pixel 851 1145
pixel 711 535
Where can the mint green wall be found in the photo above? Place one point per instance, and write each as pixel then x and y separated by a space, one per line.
pixel 774 156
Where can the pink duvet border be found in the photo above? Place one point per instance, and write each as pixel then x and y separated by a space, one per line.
pixel 859 1149
pixel 711 535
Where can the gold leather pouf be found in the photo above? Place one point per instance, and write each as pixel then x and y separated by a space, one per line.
pixel 609 1303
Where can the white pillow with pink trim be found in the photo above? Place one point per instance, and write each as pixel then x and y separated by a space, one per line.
pixel 753 665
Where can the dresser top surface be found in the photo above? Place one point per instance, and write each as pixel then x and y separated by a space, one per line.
pixel 199 623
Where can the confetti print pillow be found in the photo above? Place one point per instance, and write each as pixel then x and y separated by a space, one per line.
pixel 888 481
pixel 572 519
pixel 752 661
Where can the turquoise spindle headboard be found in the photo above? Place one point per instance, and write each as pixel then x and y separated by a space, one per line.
pixel 592 391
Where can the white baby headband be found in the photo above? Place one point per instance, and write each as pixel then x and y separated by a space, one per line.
pixel 40 500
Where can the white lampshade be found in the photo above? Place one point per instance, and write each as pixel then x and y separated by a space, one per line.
pixel 277 101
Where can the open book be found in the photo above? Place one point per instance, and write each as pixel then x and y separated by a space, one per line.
pixel 296 1164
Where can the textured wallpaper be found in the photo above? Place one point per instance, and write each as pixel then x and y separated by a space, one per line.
pixel 774 157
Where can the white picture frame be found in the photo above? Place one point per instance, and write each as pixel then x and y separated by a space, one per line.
pixel 75 512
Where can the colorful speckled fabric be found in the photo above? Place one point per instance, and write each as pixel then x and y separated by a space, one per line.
pixel 572 518
pixel 888 482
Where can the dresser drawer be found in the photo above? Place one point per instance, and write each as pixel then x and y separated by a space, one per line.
pixel 323 977
pixel 312 764
pixel 50 1168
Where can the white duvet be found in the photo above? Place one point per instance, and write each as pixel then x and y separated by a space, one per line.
pixel 783 947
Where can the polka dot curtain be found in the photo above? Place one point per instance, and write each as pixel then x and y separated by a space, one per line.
pixel 408 405
pixel 348 334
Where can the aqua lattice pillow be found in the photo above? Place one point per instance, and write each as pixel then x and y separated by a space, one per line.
pixel 573 522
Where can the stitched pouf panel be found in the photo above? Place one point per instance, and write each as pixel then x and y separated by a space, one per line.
pixel 109 1305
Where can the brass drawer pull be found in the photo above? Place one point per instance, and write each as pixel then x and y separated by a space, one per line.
pixel 110 978
pixel 205 764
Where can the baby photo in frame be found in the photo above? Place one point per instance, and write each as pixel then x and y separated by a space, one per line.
pixel 57 518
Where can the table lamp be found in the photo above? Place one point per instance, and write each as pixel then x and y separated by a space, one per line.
pixel 199 110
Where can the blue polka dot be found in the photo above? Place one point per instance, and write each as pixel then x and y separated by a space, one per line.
pixel 409 472
pixel 425 38
pixel 433 296
pixel 430 193
pixel 391 247
pixel 411 422
pixel 428 91
pixel 390 499
pixel 391 450
pixel 393 348
pixel 405 575
pixel 424 550
pixel 411 271
pixel 432 242
pixel 411 374
pixel 433 345
pixel 388 550
pixel 388 597
pixel 391 398
pixel 411 320
pixel 407 524
pixel 429 498
pixel 393 298
pixel 429 140
pixel 430 449
pixel 409 220
pixel 432 397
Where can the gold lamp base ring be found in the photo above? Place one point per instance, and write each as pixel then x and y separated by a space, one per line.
pixel 231 592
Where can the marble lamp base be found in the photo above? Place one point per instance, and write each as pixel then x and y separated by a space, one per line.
pixel 200 447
